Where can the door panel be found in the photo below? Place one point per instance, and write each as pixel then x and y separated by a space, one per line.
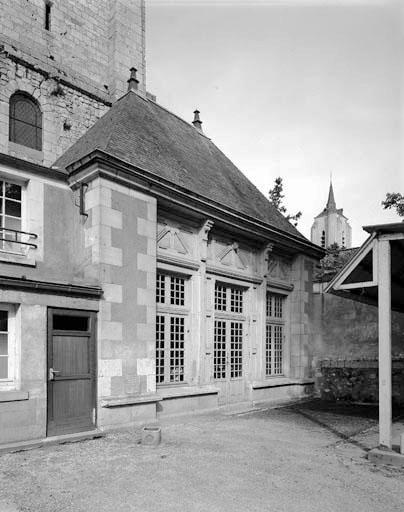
pixel 71 371
pixel 71 355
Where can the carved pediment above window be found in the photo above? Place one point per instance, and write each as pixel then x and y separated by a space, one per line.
pixel 279 269
pixel 230 256
pixel 172 239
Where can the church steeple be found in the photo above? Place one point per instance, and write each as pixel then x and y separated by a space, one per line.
pixel 331 226
pixel 331 205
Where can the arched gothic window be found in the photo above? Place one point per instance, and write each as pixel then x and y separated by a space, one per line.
pixel 25 121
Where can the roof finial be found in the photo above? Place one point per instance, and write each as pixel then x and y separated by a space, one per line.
pixel 133 82
pixel 197 122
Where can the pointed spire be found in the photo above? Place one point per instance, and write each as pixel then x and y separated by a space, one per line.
pixel 197 122
pixel 331 205
pixel 133 82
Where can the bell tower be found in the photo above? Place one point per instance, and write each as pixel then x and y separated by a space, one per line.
pixel 331 226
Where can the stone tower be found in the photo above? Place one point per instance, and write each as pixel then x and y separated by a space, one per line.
pixel 331 226
pixel 72 58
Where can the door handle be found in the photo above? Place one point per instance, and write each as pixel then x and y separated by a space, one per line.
pixel 52 373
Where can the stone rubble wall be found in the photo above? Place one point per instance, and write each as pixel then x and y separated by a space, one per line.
pixel 357 380
pixel 345 350
pixel 96 39
pixel 67 112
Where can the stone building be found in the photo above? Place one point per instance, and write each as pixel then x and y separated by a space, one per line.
pixel 331 226
pixel 141 273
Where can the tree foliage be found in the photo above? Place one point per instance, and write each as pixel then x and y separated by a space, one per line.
pixel 276 197
pixel 394 200
pixel 332 262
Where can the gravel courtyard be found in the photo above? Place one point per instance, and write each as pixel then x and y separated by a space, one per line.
pixel 284 460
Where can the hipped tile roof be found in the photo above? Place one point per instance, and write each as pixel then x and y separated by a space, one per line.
pixel 139 131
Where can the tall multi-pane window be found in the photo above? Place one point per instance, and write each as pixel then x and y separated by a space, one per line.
pixel 172 313
pixel 228 332
pixel 274 334
pixel 25 120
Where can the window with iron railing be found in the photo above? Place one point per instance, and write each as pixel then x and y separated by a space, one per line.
pixel 12 238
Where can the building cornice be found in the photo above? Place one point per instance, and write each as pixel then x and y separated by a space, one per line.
pixel 32 167
pixel 102 164
pixel 69 290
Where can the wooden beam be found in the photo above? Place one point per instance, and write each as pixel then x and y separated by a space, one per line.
pixel 384 302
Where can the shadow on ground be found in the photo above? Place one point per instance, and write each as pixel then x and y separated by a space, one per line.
pixel 344 419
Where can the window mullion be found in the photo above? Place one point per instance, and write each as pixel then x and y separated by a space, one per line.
pixel 167 348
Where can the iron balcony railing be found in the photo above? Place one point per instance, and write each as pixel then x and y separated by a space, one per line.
pixel 13 236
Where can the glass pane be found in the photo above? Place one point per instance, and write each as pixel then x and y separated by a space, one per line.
pixel 70 323
pixel 4 321
pixel 3 344
pixel 1 188
pixel 24 110
pixel 13 191
pixel 25 134
pixel 11 223
pixel 13 208
pixel 3 367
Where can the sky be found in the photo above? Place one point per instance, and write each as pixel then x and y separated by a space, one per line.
pixel 292 88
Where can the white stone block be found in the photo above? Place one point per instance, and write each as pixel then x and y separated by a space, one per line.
pixel 110 368
pixel 145 366
pixel 112 292
pixel 110 330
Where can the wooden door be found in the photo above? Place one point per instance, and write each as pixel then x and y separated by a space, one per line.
pixel 228 360
pixel 71 371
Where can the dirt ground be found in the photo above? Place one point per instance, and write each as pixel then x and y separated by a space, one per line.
pixel 302 458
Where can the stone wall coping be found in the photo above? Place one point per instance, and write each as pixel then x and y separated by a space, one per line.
pixel 397 362
pixel 13 395
pixel 276 382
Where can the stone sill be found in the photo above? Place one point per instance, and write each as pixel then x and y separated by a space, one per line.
pixel 17 259
pixel 278 382
pixel 122 401
pixel 13 396
pixel 167 393
pixel 25 152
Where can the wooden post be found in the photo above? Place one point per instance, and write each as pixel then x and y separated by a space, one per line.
pixel 384 284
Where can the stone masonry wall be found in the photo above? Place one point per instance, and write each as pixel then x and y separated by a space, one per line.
pixel 121 240
pixel 67 113
pixel 301 311
pixel 75 71
pixel 93 40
